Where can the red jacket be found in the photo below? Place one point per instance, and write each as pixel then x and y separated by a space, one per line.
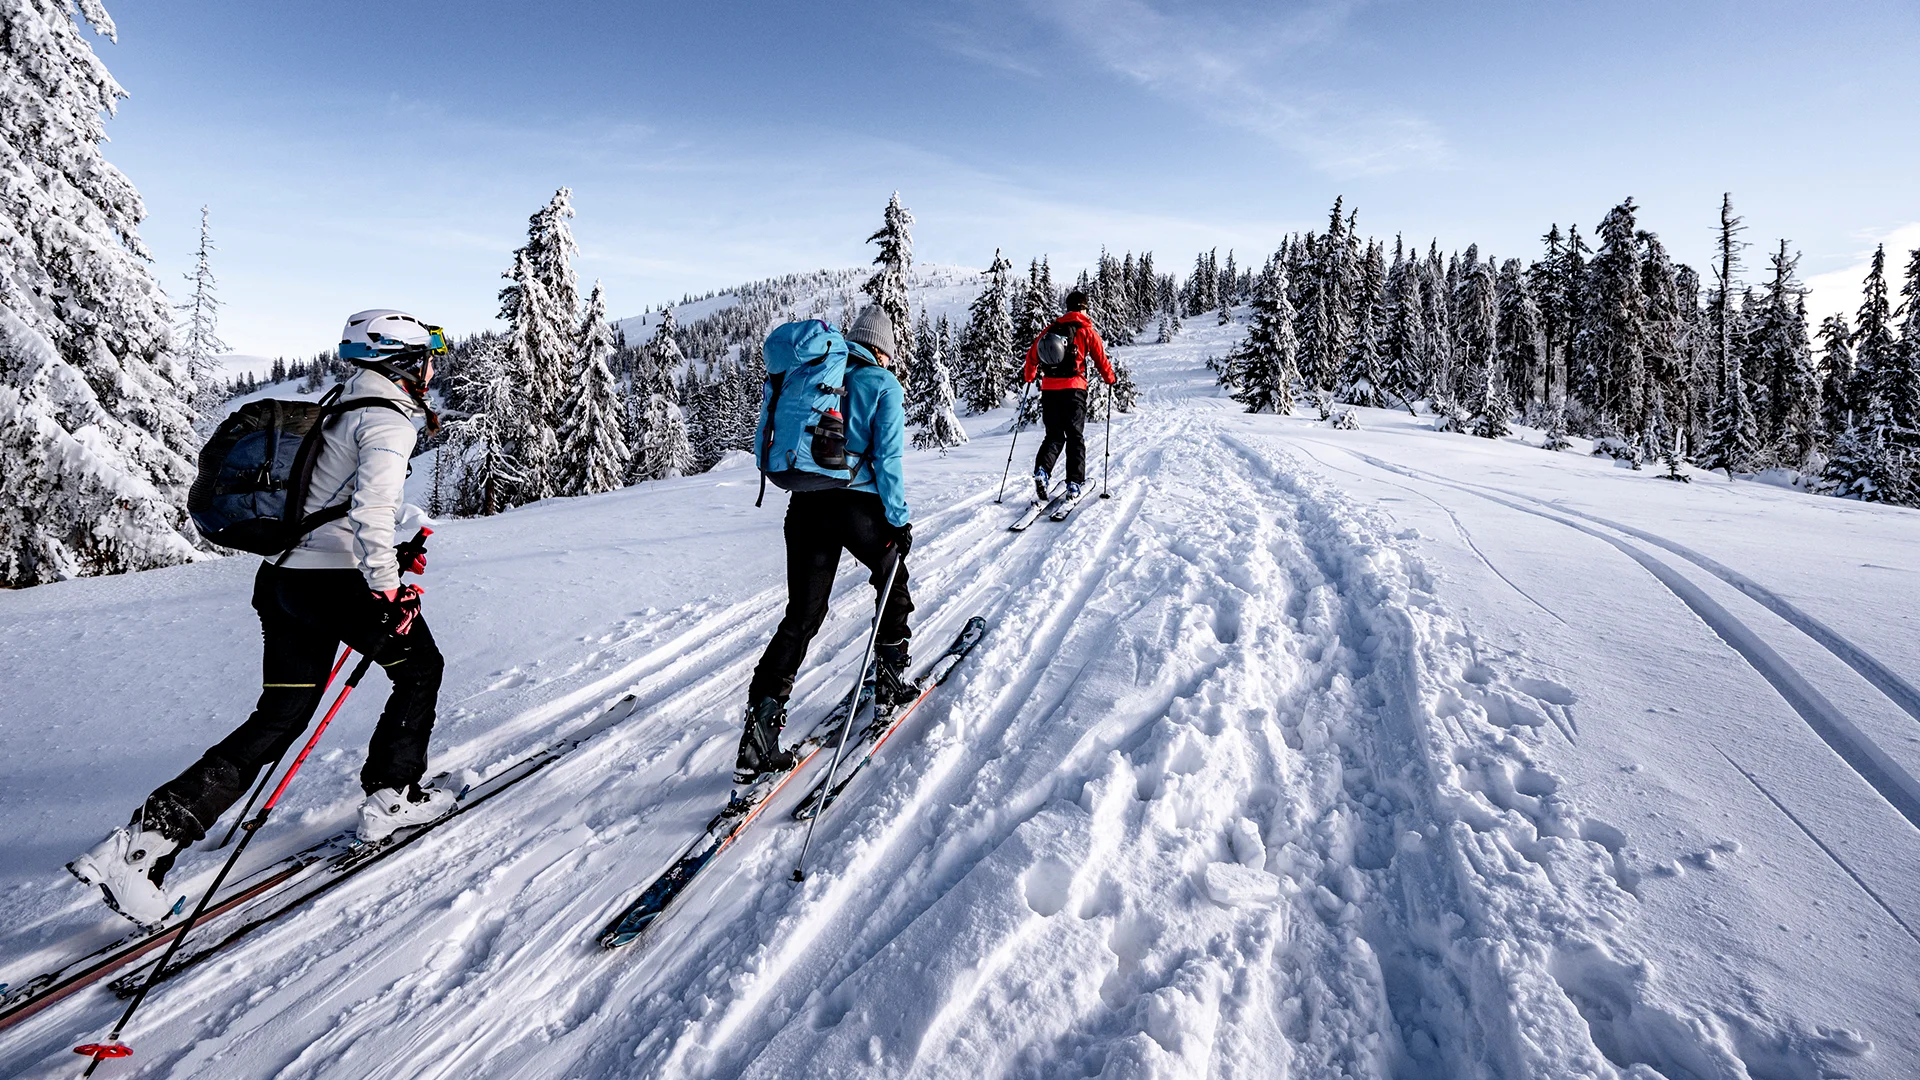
pixel 1086 342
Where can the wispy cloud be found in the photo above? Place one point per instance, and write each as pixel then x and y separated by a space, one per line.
pixel 1243 65
pixel 1837 292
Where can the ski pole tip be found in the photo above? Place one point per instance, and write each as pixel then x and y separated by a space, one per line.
pixel 798 874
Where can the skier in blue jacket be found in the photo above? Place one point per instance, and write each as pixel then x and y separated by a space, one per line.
pixel 868 518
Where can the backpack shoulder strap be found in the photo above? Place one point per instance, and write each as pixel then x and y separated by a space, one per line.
pixel 331 406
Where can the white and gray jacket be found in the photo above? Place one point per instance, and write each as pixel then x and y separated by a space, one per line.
pixel 363 458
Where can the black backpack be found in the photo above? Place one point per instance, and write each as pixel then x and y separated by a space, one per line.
pixel 255 469
pixel 1056 353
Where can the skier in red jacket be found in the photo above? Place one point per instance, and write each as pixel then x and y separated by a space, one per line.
pixel 1061 367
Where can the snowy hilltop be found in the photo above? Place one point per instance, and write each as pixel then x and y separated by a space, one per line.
pixel 1370 752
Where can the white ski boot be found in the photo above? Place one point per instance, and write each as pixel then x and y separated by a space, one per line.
pixel 122 865
pixel 390 809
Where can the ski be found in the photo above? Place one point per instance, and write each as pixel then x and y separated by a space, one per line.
pixel 1063 506
pixel 282 887
pixel 742 808
pixel 884 724
pixel 1033 512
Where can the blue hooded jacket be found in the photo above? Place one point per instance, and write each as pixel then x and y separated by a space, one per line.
pixel 877 431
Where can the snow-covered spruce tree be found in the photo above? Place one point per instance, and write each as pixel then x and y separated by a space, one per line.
pixel 593 441
pixel 1875 346
pixel 1476 329
pixel 1324 317
pixel 1436 297
pixel 1836 376
pixel 1733 437
pixel 1405 343
pixel 888 285
pixel 1557 424
pixel 1490 421
pixel 1612 327
pixel 198 337
pixel 1265 366
pixel 1520 348
pixel 666 450
pixel 535 337
pixel 987 348
pixel 1870 463
pixel 483 440
pixel 1672 303
pixel 666 363
pixel 942 428
pixel 1899 381
pixel 1790 425
pixel 1361 377
pixel 96 436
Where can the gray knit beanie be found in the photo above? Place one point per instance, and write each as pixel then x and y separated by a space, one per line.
pixel 874 330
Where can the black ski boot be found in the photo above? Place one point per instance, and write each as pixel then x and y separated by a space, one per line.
pixel 760 751
pixel 892 687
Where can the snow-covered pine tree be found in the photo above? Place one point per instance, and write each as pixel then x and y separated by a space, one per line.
pixel 1870 463
pixel 1733 437
pixel 941 429
pixel 1477 309
pixel 1612 330
pixel 534 337
pixel 198 338
pixel 666 450
pixel 1490 421
pixel 1325 319
pixel 1520 350
pixel 593 441
pixel 987 349
pixel 1836 376
pixel 1361 375
pixel 483 440
pixel 1405 344
pixel 888 285
pixel 96 436
pixel 1557 423
pixel 1875 345
pixel 1545 277
pixel 666 365
pixel 549 251
pixel 1436 296
pixel 1899 381
pixel 1790 424
pixel 1265 366
pixel 1671 303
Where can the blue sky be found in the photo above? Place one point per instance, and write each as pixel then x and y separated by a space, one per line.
pixel 388 154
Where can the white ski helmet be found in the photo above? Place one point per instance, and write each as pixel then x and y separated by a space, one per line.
pixel 391 341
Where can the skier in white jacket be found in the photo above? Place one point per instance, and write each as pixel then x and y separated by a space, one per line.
pixel 340 583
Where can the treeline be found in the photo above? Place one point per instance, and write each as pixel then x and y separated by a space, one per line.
pixel 1609 338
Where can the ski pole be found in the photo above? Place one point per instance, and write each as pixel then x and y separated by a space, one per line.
pixel 840 744
pixel 414 546
pixel 113 1047
pixel 1018 414
pixel 1106 461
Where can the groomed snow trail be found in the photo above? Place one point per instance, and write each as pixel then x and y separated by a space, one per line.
pixel 1229 789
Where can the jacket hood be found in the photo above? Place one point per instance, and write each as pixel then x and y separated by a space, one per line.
pixel 1080 317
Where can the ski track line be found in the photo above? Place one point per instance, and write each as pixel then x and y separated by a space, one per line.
pixel 1872 894
pixel 1886 776
pixel 1888 682
pixel 1457 527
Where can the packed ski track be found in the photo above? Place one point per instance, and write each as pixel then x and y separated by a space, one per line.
pixel 1310 753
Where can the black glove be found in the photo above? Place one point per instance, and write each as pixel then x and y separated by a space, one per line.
pixel 903 539
pixel 412 554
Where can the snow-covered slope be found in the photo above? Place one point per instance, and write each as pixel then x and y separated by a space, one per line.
pixel 1309 753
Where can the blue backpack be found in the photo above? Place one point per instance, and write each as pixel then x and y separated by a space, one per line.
pixel 802 442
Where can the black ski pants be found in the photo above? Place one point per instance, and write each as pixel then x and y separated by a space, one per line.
pixel 1065 414
pixel 305 615
pixel 821 524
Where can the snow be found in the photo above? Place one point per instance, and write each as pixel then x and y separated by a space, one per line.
pixel 1311 752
